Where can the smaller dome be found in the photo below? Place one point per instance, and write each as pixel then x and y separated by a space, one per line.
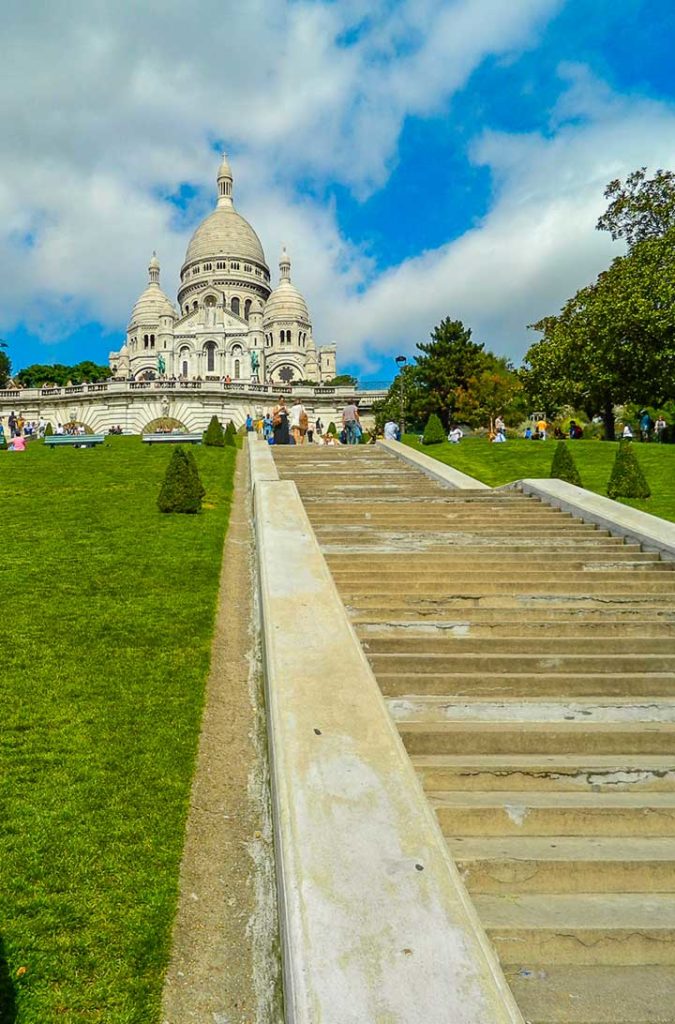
pixel 285 302
pixel 152 303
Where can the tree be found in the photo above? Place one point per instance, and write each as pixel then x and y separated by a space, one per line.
pixel 38 374
pixel 614 341
pixel 641 208
pixel 5 369
pixel 627 479
pixel 213 435
pixel 433 432
pixel 230 435
pixel 496 389
pixel 342 380
pixel 563 466
pixel 447 364
pixel 182 490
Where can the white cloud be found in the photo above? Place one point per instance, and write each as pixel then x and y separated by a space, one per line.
pixel 538 243
pixel 114 105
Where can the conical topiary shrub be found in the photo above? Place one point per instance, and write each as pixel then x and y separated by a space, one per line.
pixel 182 490
pixel 332 429
pixel 213 435
pixel 3 442
pixel 433 432
pixel 230 435
pixel 563 466
pixel 49 430
pixel 627 479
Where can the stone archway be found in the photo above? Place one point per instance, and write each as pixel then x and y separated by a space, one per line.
pixel 163 425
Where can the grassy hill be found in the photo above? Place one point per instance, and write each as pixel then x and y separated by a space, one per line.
pixel 109 609
pixel 498 464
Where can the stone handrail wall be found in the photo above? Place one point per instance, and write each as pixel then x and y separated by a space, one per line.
pixel 234 387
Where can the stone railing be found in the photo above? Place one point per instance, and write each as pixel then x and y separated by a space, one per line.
pixel 241 388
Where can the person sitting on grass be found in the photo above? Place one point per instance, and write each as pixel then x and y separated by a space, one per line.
pixel 18 443
pixel 627 432
pixel 455 435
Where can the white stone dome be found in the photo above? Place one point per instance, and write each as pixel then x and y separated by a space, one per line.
pixel 225 233
pixel 285 302
pixel 152 303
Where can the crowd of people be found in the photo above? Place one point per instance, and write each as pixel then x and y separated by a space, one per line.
pixel 292 425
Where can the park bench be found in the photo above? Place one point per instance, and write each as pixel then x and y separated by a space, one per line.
pixel 172 438
pixel 74 440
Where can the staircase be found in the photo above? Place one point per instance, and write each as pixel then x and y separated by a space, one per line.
pixel 529 662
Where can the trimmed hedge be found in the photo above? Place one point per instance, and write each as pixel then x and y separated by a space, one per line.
pixel 182 490
pixel 213 435
pixel 563 466
pixel 230 436
pixel 433 432
pixel 49 430
pixel 627 479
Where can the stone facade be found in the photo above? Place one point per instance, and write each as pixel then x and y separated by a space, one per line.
pixel 229 323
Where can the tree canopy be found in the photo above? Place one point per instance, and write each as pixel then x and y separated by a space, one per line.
pixel 5 369
pixel 454 378
pixel 614 341
pixel 38 374
pixel 641 208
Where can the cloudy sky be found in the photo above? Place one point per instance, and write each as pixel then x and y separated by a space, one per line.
pixel 419 158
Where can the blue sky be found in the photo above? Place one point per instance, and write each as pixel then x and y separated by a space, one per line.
pixel 435 159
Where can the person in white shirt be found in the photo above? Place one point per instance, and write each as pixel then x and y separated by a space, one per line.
pixel 627 432
pixel 390 431
pixel 455 435
pixel 298 422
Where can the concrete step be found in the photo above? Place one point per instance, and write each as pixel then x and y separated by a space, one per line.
pixel 554 814
pixel 413 580
pixel 488 562
pixel 517 604
pixel 468 737
pixel 434 664
pixel 555 630
pixel 513 710
pixel 453 554
pixel 541 684
pixel 607 928
pixel 370 627
pixel 565 864
pixel 403 643
pixel 544 773
pixel 551 994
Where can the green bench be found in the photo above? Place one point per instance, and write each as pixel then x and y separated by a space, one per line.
pixel 74 440
pixel 171 438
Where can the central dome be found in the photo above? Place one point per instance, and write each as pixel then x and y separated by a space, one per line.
pixel 225 233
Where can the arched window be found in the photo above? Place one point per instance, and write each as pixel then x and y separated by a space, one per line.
pixel 195 305
pixel 210 349
pixel 236 369
pixel 152 341
pixel 235 305
pixel 210 300
pixel 247 309
pixel 184 365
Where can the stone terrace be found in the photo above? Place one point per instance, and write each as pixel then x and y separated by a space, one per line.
pixel 529 661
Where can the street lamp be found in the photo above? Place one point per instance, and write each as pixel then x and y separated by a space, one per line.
pixel 401 362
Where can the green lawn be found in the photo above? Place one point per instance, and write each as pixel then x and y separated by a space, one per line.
pixel 108 614
pixel 497 464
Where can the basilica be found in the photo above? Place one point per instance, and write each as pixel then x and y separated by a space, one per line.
pixel 229 323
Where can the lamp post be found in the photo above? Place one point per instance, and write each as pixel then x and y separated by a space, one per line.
pixel 401 362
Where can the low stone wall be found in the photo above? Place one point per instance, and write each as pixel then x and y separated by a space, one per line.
pixel 433 468
pixel 621 520
pixel 376 923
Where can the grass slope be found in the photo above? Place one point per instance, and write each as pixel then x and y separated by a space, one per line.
pixel 498 464
pixel 109 609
